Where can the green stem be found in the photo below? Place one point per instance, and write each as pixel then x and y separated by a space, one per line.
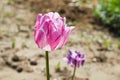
pixel 47 65
pixel 74 73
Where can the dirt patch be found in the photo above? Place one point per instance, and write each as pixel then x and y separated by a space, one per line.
pixel 21 59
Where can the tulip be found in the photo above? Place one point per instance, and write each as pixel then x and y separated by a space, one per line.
pixel 51 33
pixel 75 59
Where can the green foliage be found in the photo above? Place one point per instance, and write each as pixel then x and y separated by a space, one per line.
pixel 119 45
pixel 13 44
pixel 10 1
pixel 107 44
pixel 108 12
pixel 58 65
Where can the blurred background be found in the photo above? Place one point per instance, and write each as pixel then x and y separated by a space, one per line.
pixel 96 33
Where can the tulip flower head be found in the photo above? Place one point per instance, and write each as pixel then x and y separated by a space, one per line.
pixel 51 31
pixel 75 58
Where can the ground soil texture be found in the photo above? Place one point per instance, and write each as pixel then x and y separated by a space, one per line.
pixel 21 59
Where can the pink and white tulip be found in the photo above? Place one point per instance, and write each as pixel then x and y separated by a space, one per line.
pixel 51 31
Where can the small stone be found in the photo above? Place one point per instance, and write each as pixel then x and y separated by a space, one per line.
pixel 7 63
pixel 19 69
pixel 41 55
pixel 33 63
pixel 14 66
pixel 15 58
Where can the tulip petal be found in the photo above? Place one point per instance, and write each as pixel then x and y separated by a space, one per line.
pixel 40 38
pixel 50 14
pixel 53 38
pixel 56 15
pixel 65 36
pixel 44 19
pixel 37 24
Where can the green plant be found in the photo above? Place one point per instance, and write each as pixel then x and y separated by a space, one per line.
pixel 10 1
pixel 108 11
pixel 107 44
pixel 119 43
pixel 57 65
pixel 13 44
pixel 119 46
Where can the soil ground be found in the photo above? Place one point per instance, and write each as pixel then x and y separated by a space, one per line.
pixel 21 59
